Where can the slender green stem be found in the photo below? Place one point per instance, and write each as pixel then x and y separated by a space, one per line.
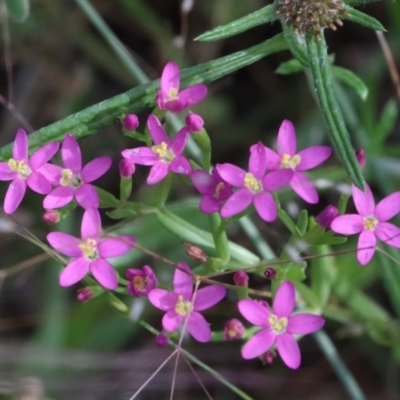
pixel 220 237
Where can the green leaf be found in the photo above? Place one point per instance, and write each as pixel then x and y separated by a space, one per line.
pixel 259 17
pixel 107 200
pixel 351 79
pixel 18 9
pixel 302 222
pixel 121 213
pixel 288 222
pixel 102 115
pixel 386 121
pixel 359 17
pixel 290 67
pixel 322 76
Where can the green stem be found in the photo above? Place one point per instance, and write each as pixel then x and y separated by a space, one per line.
pixel 322 75
pixel 220 238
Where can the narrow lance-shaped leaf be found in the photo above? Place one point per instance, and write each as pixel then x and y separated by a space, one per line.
pixel 105 113
pixel 359 17
pixel 351 79
pixel 322 76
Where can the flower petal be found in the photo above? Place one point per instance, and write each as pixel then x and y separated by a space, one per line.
pixel 141 155
pixel 42 155
pixel 288 350
pixel 302 324
pixel 86 196
pixel 203 181
pixel 74 272
pixel 208 296
pixel 198 327
pixel 183 282
pixel 179 142
pixel 104 273
pixel 59 197
pixel 388 207
pixel 366 247
pixel 51 172
pixel 209 204
pixel 287 141
pixel 238 202
pixel 157 172
pixel 232 174
pixel 171 321
pixel 65 244
pixel 388 233
pixel 364 202
pixel 5 172
pixel 91 224
pixel 20 148
pixel 304 188
pixel 180 165
pixel 273 159
pixel 348 224
pixel 284 300
pixel 313 156
pixel 258 160
pixel 258 344
pixel 95 168
pixel 14 195
pixel 277 179
pixel 265 205
pixel 192 95
pixel 115 246
pixel 157 132
pixel 170 78
pixel 254 312
pixel 38 183
pixel 163 299
pixel 71 153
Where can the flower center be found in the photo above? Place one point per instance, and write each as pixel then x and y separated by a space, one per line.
pixel 183 307
pixel 68 178
pixel 163 152
pixel 252 183
pixel 172 94
pixel 278 325
pixel 21 167
pixel 370 223
pixel 89 249
pixel 139 283
pixel 217 191
pixel 290 162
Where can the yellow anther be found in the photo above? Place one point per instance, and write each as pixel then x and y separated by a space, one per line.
pixel 370 223
pixel 89 249
pixel 139 283
pixel 290 162
pixel 172 94
pixel 160 149
pixel 252 183
pixel 68 178
pixel 19 166
pixel 277 324
pixel 182 306
pixel 218 189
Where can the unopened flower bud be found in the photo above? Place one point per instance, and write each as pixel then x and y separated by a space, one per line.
pixel 268 357
pixel 326 216
pixel 270 273
pixel 195 252
pixel 241 278
pixel 84 294
pixel 360 154
pixel 141 281
pixel 194 122
pixel 130 122
pixel 233 329
pixel 161 340
pixel 51 217
pixel 126 168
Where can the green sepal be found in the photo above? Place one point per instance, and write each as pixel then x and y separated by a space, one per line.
pixel 242 292
pixel 259 17
pixel 359 17
pixel 342 205
pixel 107 200
pixel 125 188
pixel 203 140
pixel 18 9
pixel 121 213
pixel 351 79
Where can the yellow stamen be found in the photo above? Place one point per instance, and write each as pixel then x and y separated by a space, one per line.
pixel 172 94
pixel 163 152
pixel 183 307
pixel 68 178
pixel 20 166
pixel 252 183
pixel 370 223
pixel 290 162
pixel 218 189
pixel 277 324
pixel 139 283
pixel 89 249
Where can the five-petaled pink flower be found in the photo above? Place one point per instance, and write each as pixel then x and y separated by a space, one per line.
pixel 370 222
pixel 164 156
pixel 90 252
pixel 170 98
pixel 73 180
pixel 288 158
pixel 254 186
pixel 214 189
pixel 183 304
pixel 278 325
pixel 24 171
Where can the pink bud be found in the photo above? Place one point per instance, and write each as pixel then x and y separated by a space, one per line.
pixel 233 329
pixel 130 122
pixel 326 216
pixel 141 281
pixel 241 278
pixel 126 168
pixel 51 217
pixel 360 154
pixel 84 294
pixel 270 273
pixel 268 357
pixel 161 340
pixel 194 122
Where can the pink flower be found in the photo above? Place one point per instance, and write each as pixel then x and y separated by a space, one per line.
pixel 278 326
pixel 370 222
pixel 90 252
pixel 214 189
pixel 326 216
pixel 169 98
pixel 233 329
pixel 164 156
pixel 73 181
pixel 288 158
pixel 24 171
pixel 254 186
pixel 182 304
pixel 141 281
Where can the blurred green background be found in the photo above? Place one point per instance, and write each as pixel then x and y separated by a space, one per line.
pixel 53 347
